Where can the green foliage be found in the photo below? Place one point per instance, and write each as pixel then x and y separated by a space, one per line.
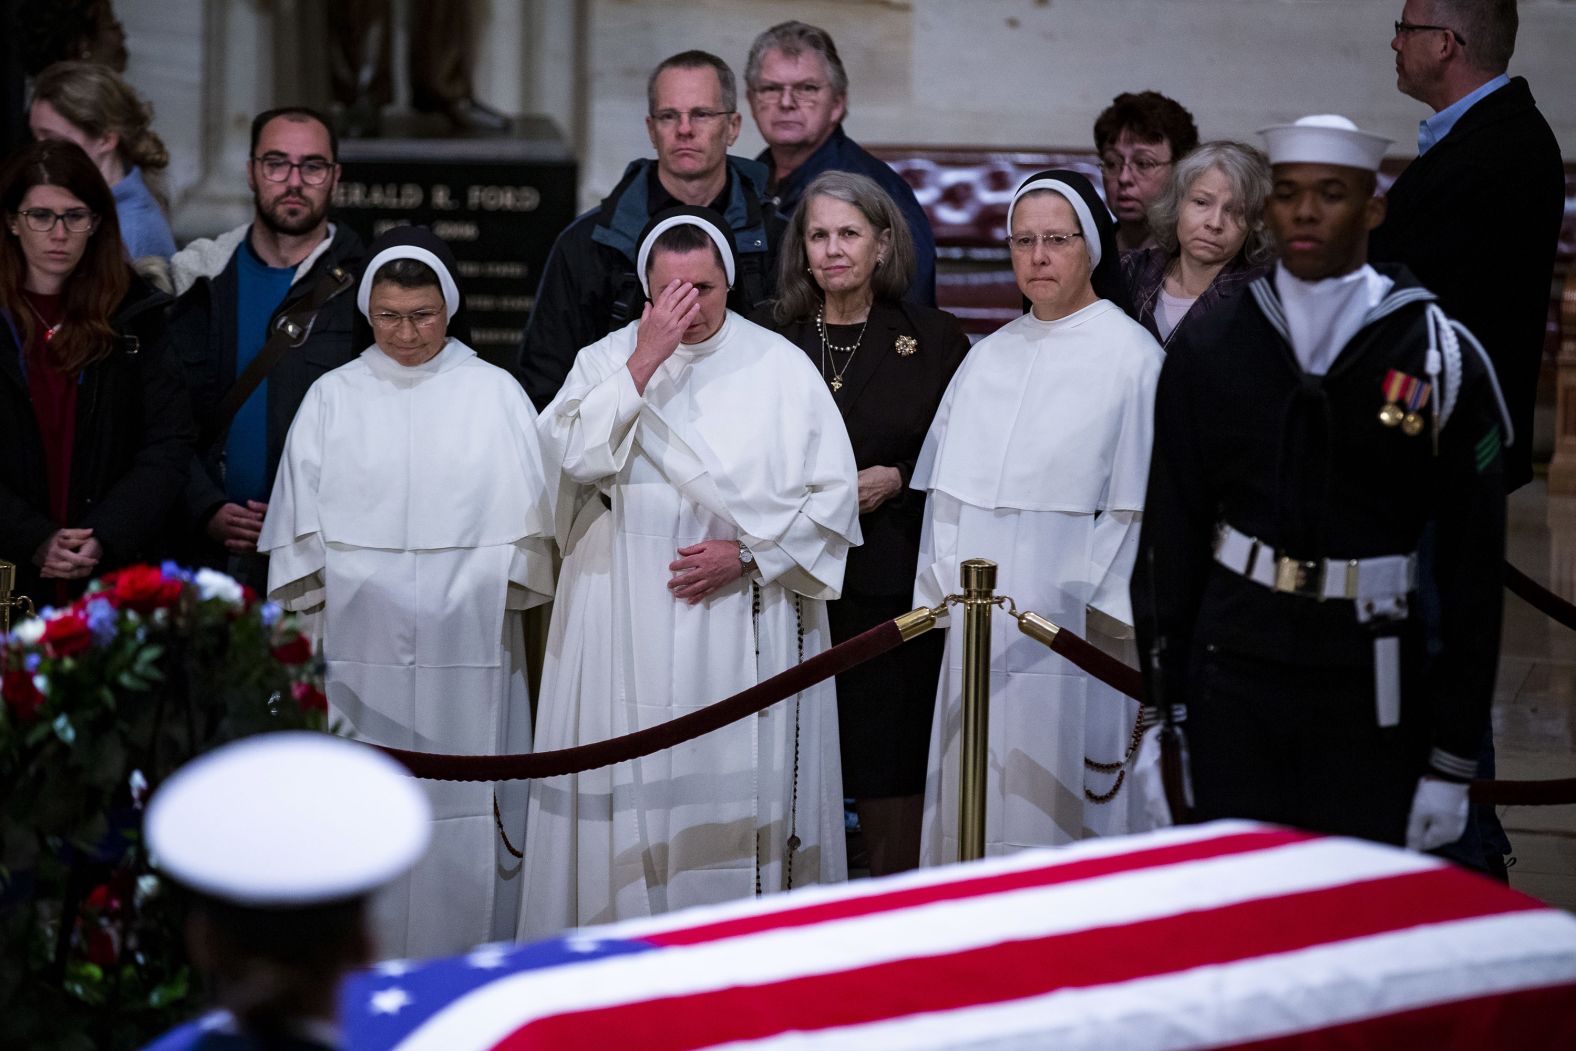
pixel 102 701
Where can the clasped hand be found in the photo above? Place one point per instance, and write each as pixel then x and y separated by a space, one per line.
pixel 702 568
pixel 68 554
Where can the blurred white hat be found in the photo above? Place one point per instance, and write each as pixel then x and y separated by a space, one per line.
pixel 288 819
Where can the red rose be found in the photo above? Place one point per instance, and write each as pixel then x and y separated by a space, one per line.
pixel 65 635
pixel 248 596
pixel 297 651
pixel 101 948
pixel 144 588
pixel 309 697
pixel 21 696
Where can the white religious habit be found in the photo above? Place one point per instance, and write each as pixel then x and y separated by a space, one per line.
pixel 1037 460
pixel 735 438
pixel 411 509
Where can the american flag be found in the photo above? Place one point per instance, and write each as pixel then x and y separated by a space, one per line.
pixel 1231 934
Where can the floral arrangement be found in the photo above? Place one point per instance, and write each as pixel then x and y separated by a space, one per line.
pixel 102 700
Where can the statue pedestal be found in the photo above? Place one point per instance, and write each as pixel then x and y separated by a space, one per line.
pixel 498 200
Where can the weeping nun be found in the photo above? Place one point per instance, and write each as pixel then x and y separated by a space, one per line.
pixel 410 512
pixel 717 499
pixel 1037 459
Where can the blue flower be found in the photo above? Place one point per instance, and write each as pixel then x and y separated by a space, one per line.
pixel 174 571
pixel 32 661
pixel 269 613
pixel 101 618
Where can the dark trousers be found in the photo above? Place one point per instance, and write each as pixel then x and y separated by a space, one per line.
pixel 1298 746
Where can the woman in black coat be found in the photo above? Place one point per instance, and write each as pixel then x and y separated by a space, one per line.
pixel 845 263
pixel 94 419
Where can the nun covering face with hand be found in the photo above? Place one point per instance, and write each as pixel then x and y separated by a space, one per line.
pixel 716 501
pixel 410 514
pixel 1037 459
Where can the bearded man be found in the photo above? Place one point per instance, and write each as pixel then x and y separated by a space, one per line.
pixel 286 269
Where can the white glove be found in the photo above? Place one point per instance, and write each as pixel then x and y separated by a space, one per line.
pixel 1439 814
pixel 1149 781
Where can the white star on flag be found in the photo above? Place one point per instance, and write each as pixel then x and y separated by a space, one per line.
pixel 488 957
pixel 394 968
pixel 390 1001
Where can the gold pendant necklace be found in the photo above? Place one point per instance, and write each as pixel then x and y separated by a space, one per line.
pixel 836 382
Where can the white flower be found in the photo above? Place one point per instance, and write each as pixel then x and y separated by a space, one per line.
pixel 213 584
pixel 29 631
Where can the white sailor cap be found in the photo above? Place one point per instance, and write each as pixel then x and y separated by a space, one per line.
pixel 1324 139
pixel 288 819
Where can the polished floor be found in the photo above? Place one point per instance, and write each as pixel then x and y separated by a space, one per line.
pixel 1535 697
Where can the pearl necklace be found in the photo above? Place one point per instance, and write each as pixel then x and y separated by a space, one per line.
pixel 836 382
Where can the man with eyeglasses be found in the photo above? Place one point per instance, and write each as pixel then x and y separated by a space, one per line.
pixel 798 92
pixel 589 285
pixel 283 270
pixel 1486 141
pixel 1139 137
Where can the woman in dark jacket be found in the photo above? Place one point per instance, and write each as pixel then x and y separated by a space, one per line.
pixel 846 261
pixel 94 419
pixel 1210 240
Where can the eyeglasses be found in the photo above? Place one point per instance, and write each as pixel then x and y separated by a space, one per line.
pixel 388 321
pixel 668 119
pixel 1142 165
pixel 1408 27
pixel 804 94
pixel 42 220
pixel 1026 242
pixel 314 170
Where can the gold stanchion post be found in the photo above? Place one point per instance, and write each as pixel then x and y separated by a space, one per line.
pixel 978 577
pixel 7 603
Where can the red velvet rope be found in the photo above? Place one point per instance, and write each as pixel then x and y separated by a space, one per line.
pixel 1115 674
pixel 1539 597
pixel 800 677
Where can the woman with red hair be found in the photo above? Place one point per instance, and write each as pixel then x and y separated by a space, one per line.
pixel 94 418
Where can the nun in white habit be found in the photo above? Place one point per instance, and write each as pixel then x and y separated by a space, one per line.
pixel 411 511
pixel 1037 459
pixel 717 499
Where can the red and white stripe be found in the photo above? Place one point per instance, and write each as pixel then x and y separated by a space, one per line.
pixel 1209 936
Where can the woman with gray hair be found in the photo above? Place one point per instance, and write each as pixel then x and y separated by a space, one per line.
pixel 1210 239
pixel 846 261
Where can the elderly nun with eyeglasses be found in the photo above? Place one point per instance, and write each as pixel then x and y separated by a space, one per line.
pixel 410 513
pixel 1037 460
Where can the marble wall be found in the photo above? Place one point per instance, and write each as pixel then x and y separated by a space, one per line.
pixel 933 72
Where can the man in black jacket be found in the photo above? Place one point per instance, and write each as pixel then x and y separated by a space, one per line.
pixel 232 292
pixel 1307 439
pixel 589 286
pixel 1486 142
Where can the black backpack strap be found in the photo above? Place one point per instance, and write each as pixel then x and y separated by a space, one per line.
pixel 290 329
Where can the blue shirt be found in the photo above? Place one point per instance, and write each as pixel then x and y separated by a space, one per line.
pixel 143 226
pixel 260 289
pixel 1430 131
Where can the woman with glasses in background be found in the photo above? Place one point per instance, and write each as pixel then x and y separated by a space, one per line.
pixel 1140 136
pixel 1210 240
pixel 1038 460
pixel 94 420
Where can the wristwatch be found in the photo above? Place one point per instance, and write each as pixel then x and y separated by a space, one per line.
pixel 746 559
